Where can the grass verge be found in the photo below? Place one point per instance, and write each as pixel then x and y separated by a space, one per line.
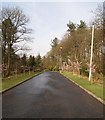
pixel 14 80
pixel 95 88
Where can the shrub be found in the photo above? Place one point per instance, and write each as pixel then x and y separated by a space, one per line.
pixel 84 71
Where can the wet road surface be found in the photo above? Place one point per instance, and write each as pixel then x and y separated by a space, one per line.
pixel 49 95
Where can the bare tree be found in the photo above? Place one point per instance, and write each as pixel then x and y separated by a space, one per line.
pixel 14 30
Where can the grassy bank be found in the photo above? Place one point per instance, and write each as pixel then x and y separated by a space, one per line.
pixel 15 80
pixel 95 88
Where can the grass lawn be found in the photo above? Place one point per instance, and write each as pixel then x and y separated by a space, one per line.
pixel 95 88
pixel 16 79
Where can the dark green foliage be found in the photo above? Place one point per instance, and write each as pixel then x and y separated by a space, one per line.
pixel 82 24
pixel 24 60
pixel 84 70
pixel 39 65
pixel 31 63
pixel 71 26
pixel 54 42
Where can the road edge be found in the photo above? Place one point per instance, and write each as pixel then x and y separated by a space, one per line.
pixel 90 93
pixel 1 92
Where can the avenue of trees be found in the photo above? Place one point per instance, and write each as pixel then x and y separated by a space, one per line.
pixel 72 52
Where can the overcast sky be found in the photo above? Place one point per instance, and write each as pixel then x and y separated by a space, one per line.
pixel 49 20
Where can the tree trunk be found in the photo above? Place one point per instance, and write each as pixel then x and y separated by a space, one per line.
pixel 3 56
pixel 9 60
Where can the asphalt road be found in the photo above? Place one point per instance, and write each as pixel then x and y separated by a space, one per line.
pixel 49 95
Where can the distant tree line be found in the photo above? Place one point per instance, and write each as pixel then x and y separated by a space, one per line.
pixel 24 64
